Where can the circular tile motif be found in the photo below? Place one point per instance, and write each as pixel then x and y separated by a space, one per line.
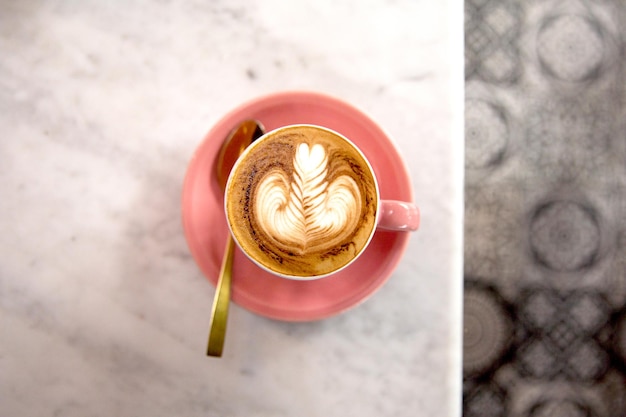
pixel 571 47
pixel 487 330
pixel 486 134
pixel 565 236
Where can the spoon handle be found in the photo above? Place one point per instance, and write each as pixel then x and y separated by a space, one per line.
pixel 219 315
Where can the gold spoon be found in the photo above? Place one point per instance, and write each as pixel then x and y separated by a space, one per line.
pixel 238 140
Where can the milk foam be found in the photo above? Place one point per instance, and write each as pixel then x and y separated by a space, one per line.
pixel 307 210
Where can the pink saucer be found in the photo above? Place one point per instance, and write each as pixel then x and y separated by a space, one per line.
pixel 206 231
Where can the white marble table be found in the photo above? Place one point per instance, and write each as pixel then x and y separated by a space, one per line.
pixel 103 312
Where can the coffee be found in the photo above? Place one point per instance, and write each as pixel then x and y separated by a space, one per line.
pixel 302 201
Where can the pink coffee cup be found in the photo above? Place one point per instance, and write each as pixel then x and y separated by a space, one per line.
pixel 291 178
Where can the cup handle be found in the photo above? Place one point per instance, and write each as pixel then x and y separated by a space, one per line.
pixel 399 216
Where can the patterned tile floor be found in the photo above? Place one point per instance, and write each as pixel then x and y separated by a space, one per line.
pixel 545 225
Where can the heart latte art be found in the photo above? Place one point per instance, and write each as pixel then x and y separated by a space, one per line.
pixel 306 211
pixel 302 202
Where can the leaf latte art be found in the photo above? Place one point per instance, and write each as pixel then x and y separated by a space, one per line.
pixel 309 209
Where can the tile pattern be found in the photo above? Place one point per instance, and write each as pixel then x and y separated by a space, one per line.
pixel 545 214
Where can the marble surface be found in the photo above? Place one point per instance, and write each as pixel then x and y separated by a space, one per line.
pixel 102 309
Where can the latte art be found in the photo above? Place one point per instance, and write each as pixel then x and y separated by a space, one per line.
pixel 308 211
pixel 302 202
